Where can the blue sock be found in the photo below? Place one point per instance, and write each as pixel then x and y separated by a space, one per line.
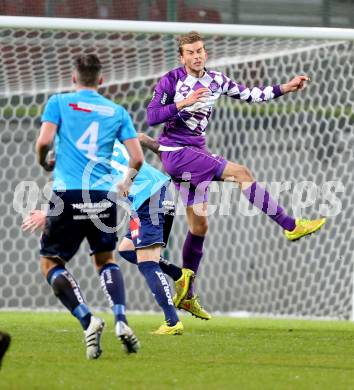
pixel 169 269
pixel 67 290
pixel 129 256
pixel 113 286
pixel 160 288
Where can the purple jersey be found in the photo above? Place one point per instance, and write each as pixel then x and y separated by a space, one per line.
pixel 187 126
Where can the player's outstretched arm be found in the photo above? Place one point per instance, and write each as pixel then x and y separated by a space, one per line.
pixel 136 159
pixel 44 143
pixel 298 83
pixel 35 221
pixel 149 142
pixel 262 94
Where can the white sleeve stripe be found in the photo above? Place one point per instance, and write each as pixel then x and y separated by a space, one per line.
pixel 268 93
pixel 256 93
pixel 234 91
pixel 245 94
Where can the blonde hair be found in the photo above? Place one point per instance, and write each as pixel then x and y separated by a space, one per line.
pixel 191 37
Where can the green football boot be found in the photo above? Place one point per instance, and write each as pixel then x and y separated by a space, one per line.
pixel 304 227
pixel 165 329
pixel 194 307
pixel 182 285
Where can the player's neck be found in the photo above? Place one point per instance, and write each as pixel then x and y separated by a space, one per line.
pixel 85 88
pixel 198 74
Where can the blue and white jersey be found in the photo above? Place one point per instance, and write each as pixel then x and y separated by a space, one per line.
pixel 147 182
pixel 88 125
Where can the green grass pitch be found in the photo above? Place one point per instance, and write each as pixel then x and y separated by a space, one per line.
pixel 47 352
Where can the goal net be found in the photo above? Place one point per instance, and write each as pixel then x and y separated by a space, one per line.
pixel 300 145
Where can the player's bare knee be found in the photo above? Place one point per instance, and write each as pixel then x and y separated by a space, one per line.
pixel 247 175
pixel 103 258
pixel 200 229
pixel 46 264
pixel 242 175
pixel 151 253
pixel 238 173
pixel 120 247
pixel 126 245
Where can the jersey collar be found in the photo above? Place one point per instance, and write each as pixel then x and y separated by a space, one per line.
pixel 198 78
pixel 88 92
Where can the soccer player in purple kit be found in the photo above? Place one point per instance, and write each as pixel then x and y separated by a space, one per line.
pixel 183 100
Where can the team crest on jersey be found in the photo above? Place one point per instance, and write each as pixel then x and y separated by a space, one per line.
pixel 134 227
pixel 184 90
pixel 214 86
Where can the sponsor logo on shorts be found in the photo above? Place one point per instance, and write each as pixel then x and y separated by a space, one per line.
pixel 169 207
pixel 92 208
pixel 93 216
pixel 134 227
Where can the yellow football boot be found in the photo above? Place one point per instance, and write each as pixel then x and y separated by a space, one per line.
pixel 304 227
pixel 165 329
pixel 182 285
pixel 194 307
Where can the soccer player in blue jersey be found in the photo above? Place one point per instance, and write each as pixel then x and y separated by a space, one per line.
pixel 83 127
pixel 150 223
pixel 183 100
pixel 151 220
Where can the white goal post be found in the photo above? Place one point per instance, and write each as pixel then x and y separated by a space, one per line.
pixel 174 28
pixel 301 143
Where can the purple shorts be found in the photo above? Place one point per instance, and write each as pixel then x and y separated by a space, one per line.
pixel 192 169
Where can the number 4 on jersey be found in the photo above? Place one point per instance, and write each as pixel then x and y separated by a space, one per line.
pixel 88 141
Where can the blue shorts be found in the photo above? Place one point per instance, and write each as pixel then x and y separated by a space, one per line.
pixel 147 224
pixel 75 215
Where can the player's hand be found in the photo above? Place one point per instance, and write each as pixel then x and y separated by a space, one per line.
pixel 197 96
pixel 298 83
pixel 36 220
pixel 49 162
pixel 148 142
pixel 124 187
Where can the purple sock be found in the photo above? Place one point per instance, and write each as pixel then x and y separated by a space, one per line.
pixel 192 254
pixel 260 197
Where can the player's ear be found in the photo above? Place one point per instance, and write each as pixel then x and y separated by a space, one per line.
pixel 183 62
pixel 73 78
pixel 206 54
pixel 100 81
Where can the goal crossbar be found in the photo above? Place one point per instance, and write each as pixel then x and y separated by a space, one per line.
pixel 175 28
